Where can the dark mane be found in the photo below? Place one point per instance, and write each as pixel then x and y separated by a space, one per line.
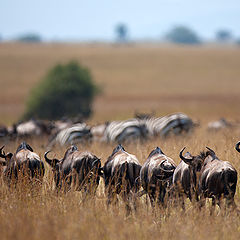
pixel 157 150
pixel 205 154
pixel 24 145
pixel 115 150
pixel 72 149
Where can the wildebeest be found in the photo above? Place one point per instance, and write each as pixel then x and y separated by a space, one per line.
pixel 3 163
pixel 156 175
pixel 184 179
pixel 120 173
pixel 222 123
pixel 3 131
pixel 76 170
pixel 24 164
pixel 214 178
pixel 30 128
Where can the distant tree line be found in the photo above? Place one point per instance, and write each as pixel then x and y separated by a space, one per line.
pixel 179 34
pixel 29 38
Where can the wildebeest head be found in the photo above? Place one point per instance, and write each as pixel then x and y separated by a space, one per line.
pixel 197 162
pixel 56 165
pixel 237 147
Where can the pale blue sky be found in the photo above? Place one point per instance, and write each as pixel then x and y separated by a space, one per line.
pixel 95 19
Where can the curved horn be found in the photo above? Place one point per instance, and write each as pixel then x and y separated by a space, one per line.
pixel 211 150
pixel 2 155
pixel 186 160
pixel 49 161
pixel 237 147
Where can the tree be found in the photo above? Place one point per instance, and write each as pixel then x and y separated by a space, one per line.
pixel 184 35
pixel 121 31
pixel 67 90
pixel 30 38
pixel 223 35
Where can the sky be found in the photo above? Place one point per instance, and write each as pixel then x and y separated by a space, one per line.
pixel 92 20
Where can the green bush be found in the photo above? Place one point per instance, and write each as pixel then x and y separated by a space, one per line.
pixel 66 91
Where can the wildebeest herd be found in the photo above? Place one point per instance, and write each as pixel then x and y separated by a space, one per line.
pixel 197 177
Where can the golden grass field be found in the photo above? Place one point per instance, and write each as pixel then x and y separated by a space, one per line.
pixel 202 82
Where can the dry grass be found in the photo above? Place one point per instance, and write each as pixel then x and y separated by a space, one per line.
pixel 203 82
pixel 46 215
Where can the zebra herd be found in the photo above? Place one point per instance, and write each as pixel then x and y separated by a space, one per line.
pixel 67 132
pixel 127 130
pixel 196 177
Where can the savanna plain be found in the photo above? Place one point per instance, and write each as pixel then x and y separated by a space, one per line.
pixel 202 82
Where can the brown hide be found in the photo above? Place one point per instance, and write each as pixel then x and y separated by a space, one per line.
pixel 77 169
pixel 24 164
pixel 121 171
pixel 214 177
pixel 156 174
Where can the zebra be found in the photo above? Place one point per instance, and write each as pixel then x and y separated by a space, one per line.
pixel 122 131
pixel 176 123
pixel 74 134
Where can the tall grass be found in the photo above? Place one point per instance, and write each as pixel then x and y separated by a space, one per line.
pixel 46 214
